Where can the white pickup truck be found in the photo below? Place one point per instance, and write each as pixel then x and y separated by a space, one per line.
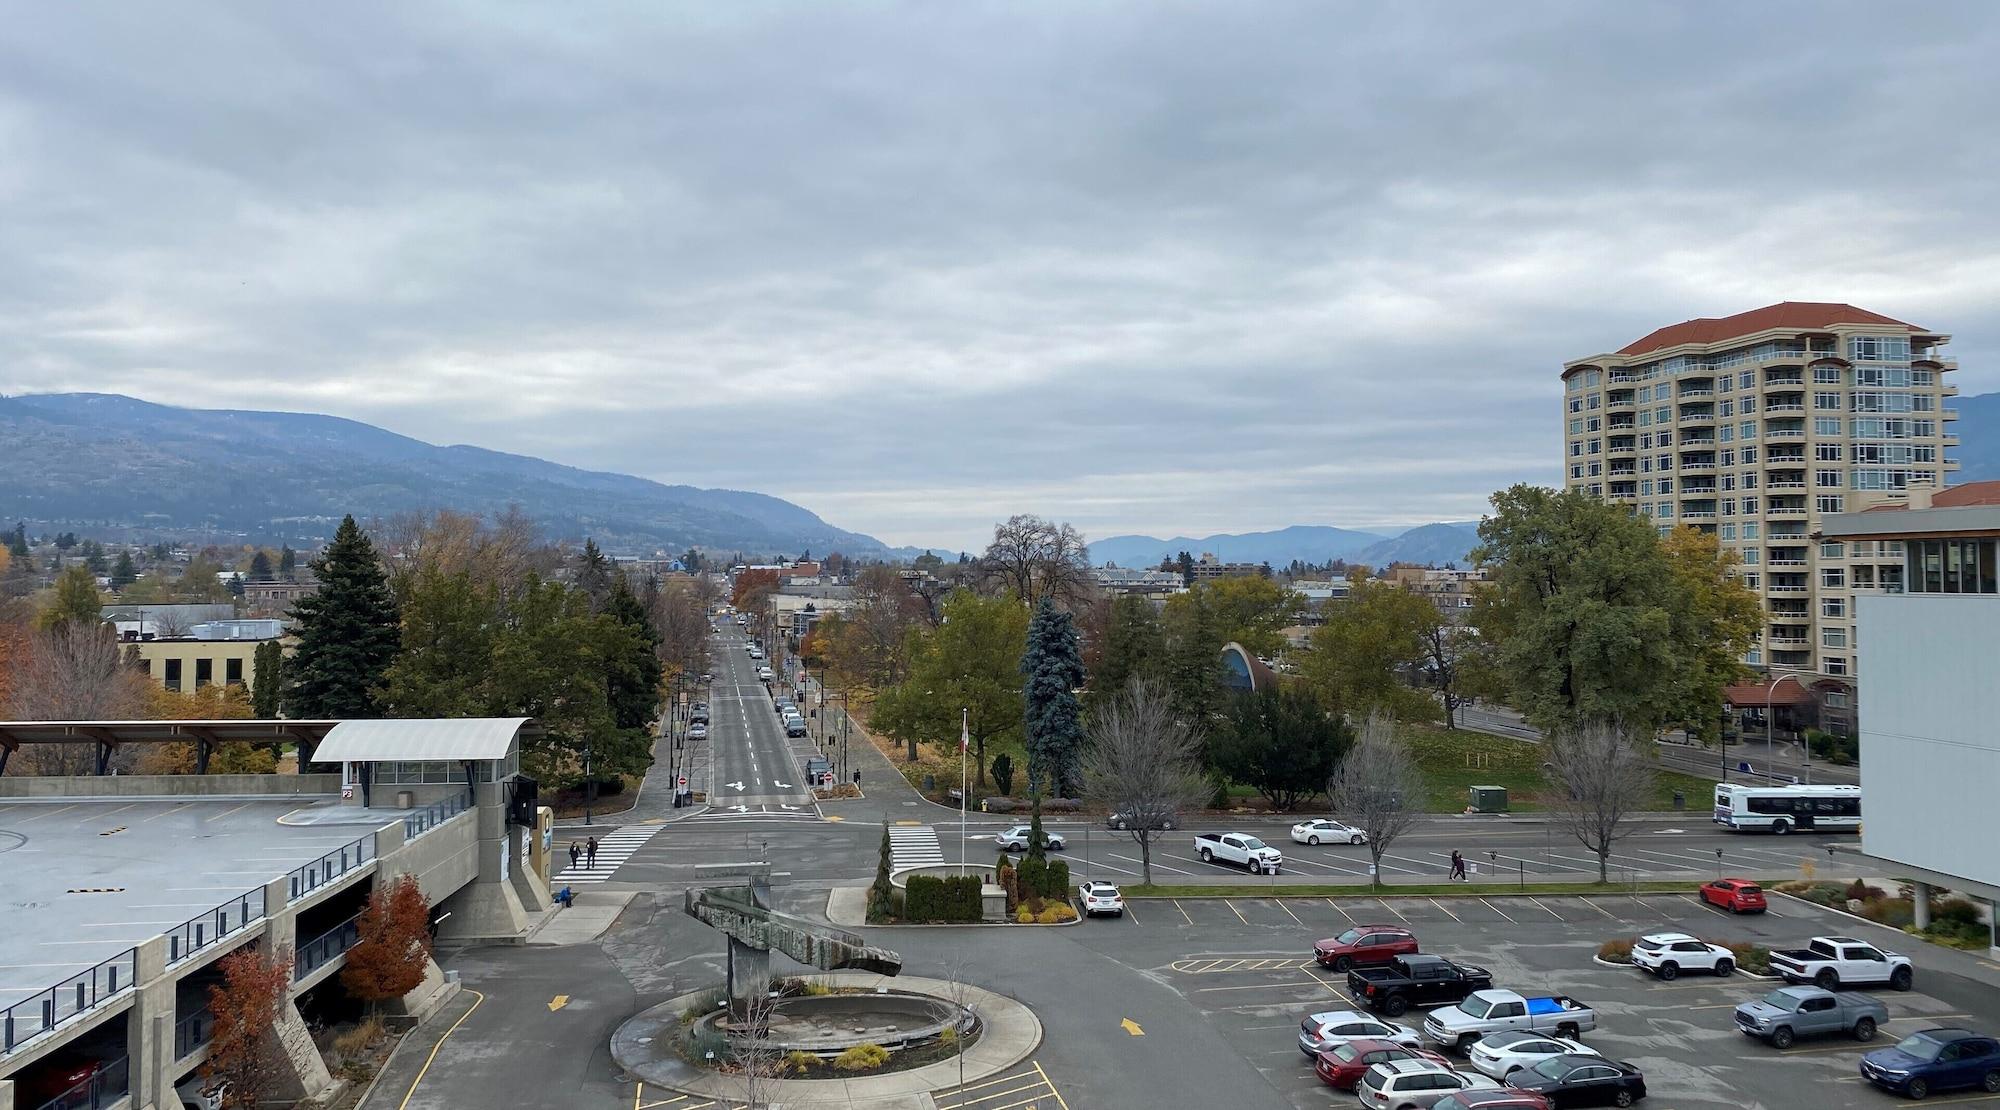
pixel 1241 849
pixel 1831 963
pixel 1491 1011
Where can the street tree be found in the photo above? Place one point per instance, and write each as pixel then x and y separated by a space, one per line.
pixel 76 602
pixel 1142 759
pixel 1716 625
pixel 971 662
pixel 1034 558
pixel 393 950
pixel 1584 611
pixel 1600 777
pixel 1378 788
pixel 348 634
pixel 1283 742
pixel 1448 648
pixel 245 1059
pixel 1370 642
pixel 1052 724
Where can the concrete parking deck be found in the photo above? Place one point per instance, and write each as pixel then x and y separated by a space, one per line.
pixel 86 880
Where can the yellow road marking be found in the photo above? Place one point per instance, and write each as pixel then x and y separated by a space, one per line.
pixel 909 822
pixel 226 812
pixel 991 1082
pixel 1183 909
pixel 558 1002
pixel 1052 1087
pixel 1231 903
pixel 1132 1028
pixel 1288 911
pixel 832 817
pixel 477 998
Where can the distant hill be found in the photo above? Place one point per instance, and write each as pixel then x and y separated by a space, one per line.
pixel 1429 543
pixel 110 461
pixel 1978 432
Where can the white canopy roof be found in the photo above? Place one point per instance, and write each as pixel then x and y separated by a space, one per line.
pixel 387 741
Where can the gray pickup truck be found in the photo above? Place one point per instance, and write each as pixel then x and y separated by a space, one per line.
pixel 1788 1013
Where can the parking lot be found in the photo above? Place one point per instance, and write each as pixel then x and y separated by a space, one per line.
pixel 1244 964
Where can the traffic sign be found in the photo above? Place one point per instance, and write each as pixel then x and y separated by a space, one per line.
pixel 684 780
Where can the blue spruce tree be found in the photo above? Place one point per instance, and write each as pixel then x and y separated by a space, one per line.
pixel 1052 669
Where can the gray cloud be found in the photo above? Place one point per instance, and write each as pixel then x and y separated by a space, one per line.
pixel 1169 267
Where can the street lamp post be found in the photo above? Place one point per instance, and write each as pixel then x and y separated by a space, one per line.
pixel 1770 715
pixel 589 783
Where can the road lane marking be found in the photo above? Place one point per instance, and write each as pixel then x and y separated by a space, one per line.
pixel 1052 1087
pixel 477 998
pixel 1183 909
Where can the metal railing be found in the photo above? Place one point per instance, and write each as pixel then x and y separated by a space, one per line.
pixel 192 1032
pixel 86 990
pixel 329 867
pixel 330 945
pixel 430 817
pixel 230 917
pixel 105 1086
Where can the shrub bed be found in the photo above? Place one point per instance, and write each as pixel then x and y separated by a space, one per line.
pixel 951 900
pixel 1617 950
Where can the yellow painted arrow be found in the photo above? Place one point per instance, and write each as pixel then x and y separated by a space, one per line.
pixel 1132 1027
pixel 558 1002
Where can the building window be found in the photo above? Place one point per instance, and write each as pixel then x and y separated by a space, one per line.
pixel 1751 556
pixel 1727 408
pixel 1832 550
pixel 1828 479
pixel 1827 503
pixel 1750 530
pixel 204 672
pixel 1575 449
pixel 1832 578
pixel 1836 664
pixel 1747 430
pixel 1834 607
pixel 173 678
pixel 1826 402
pixel 1749 455
pixel 1749 506
pixel 1728 458
pixel 1838 699
pixel 1949 567
pixel 1596 468
pixel 1878 348
pixel 1826 452
pixel 1833 637
pixel 1826 375
pixel 1749 405
pixel 1746 379
pixel 1728 531
pixel 1753 581
pixel 1594 446
pixel 232 672
pixel 1729 506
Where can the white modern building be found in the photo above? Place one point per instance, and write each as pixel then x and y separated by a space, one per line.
pixel 1930 756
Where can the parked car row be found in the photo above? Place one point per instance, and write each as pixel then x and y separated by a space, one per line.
pixel 1524 1051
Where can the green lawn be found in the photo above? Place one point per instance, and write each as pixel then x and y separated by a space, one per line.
pixel 1453 760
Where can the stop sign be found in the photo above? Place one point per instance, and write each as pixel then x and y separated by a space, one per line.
pixel 684 780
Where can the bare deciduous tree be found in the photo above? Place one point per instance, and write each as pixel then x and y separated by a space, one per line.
pixel 73 673
pixel 1143 761
pixel 1446 643
pixel 1037 558
pixel 1378 788
pixel 1600 778
pixel 680 617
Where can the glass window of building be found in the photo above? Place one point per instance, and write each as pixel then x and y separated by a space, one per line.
pixel 1750 530
pixel 1829 479
pixel 1836 664
pixel 1826 402
pixel 1827 426
pixel 1833 637
pixel 1751 556
pixel 1832 578
pixel 1951 566
pixel 1826 375
pixel 1831 550
pixel 1827 502
pixel 1835 607
pixel 204 672
pixel 1728 531
pixel 1747 430
pixel 232 672
pixel 1749 455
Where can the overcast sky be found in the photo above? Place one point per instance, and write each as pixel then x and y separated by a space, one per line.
pixel 1144 267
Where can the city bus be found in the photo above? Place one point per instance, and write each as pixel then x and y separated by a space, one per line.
pixel 1781 809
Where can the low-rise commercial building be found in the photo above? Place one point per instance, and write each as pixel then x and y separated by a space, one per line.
pixel 1930 757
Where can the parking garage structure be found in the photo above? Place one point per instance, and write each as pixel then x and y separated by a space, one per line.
pixel 124 892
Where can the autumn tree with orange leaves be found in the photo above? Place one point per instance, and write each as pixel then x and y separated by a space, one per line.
pixel 244 1057
pixel 390 958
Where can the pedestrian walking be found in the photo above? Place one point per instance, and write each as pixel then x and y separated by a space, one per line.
pixel 1458 867
pixel 590 854
pixel 575 852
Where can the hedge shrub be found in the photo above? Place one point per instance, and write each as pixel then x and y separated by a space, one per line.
pixel 1617 950
pixel 1055 880
pixel 953 900
pixel 862 1057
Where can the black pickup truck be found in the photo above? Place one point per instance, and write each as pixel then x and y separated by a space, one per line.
pixel 1415 981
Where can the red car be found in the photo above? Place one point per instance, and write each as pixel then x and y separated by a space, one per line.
pixel 1365 945
pixel 1342 1066
pixel 1509 1099
pixel 1734 895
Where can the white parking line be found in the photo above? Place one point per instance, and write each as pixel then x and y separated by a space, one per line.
pixel 1494 905
pixel 1093 863
pixel 1440 905
pixel 1336 869
pixel 1394 910
pixel 1544 909
pixel 1156 863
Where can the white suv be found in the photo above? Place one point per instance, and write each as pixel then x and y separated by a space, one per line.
pixel 1414 1084
pixel 1668 954
pixel 1099 898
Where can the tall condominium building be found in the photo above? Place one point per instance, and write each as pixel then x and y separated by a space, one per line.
pixel 1754 426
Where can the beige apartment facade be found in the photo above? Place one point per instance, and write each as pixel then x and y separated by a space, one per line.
pixel 1753 428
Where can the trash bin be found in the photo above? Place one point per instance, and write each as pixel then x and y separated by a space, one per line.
pixel 1489 799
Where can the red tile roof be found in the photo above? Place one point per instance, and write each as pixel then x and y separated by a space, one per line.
pixel 1756 695
pixel 1799 315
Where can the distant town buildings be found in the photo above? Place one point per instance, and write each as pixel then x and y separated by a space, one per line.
pixel 1756 427
pixel 1154 585
pixel 1208 568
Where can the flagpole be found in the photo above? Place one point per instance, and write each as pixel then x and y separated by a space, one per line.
pixel 964 783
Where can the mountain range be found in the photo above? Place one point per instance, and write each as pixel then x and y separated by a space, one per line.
pixel 1434 544
pixel 108 462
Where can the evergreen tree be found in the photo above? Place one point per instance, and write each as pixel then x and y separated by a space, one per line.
pixel 594 573
pixel 288 561
pixel 123 572
pixel 348 634
pixel 444 666
pixel 1133 647
pixel 76 604
pixel 879 904
pixel 268 665
pixel 17 541
pixel 1051 670
pixel 634 662
pixel 93 557
pixel 260 567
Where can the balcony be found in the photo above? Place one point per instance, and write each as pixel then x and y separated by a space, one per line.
pixel 1617 402
pixel 1791 658
pixel 1698 391
pixel 1777 589
pixel 1698 489
pixel 1783 378
pixel 1783 641
pixel 1698 465
pixel 1619 423
pixel 1698 514
pixel 1618 376
pixel 1625 471
pixel 1785 563
pixel 1706 439
pixel 1616 448
pixel 1786 406
pixel 1789 483
pixel 1625 490
pixel 1697 418
pixel 1785 510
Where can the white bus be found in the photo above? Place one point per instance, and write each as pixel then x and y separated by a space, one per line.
pixel 1780 809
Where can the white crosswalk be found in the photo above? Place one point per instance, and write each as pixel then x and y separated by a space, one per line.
pixel 914 846
pixel 613 849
